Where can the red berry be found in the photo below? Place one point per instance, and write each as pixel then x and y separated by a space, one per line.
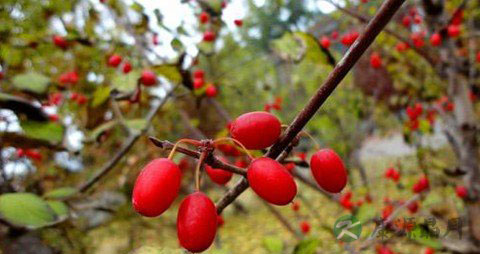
pixel 295 206
pixel 289 166
pixel 218 176
pixel 81 99
pixel 478 57
pixel 204 17
pixel 375 60
pixel 350 38
pixel 208 36
pixel 417 40
pixel 241 163
pixel 238 22
pixel 413 207
pixel 223 4
pixel 461 191
pixel 60 42
pixel 395 176
pixel 406 21
pixel 148 78
pixel 20 152
pixel 384 250
pixel 328 170
pixel 305 227
pixel 199 74
pixel 436 39
pixel 302 156
pixel 334 35
pixel 429 250
pixel 401 46
pixel 33 154
pixel 156 187
pixel 256 130
pixel 155 39
pixel 387 211
pixel 68 78
pixel 1 75
pixel 211 91
pixel 53 117
pixel 457 17
pixel 453 30
pixel 198 83
pixel 220 221
pixel 417 19
pixel 55 98
pixel 271 181
pixel 325 42
pixel 114 60
pixel 127 67
pixel 421 185
pixel 196 222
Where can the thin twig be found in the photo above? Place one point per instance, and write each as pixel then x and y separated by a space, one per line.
pixel 127 145
pixel 210 160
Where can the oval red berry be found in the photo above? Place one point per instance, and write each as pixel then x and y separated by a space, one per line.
pixel 328 170
pixel 271 181
pixel 218 176
pixel 156 187
pixel 196 222
pixel 256 130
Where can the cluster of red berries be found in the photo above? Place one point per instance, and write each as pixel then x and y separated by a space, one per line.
pixel 147 78
pixel 68 78
pixel 199 82
pixel 60 42
pixel 347 203
pixel 30 153
pixel 276 105
pixel 421 185
pixel 158 183
pixel 393 174
pixel 413 113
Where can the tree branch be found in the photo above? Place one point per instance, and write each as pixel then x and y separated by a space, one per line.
pixel 127 145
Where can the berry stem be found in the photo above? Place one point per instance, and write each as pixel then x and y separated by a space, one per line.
pixel 236 142
pixel 315 143
pixel 203 155
pixel 185 140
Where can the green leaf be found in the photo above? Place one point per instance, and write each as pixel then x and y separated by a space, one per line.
pixel 307 246
pixel 126 83
pixel 60 193
pixel 177 45
pixel 169 71
pixel 136 124
pixel 59 208
pixel 100 95
pixel 26 210
pixel 32 82
pixel 52 132
pixel 273 244
pixel 289 47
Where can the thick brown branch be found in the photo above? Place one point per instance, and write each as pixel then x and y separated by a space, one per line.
pixel 374 27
